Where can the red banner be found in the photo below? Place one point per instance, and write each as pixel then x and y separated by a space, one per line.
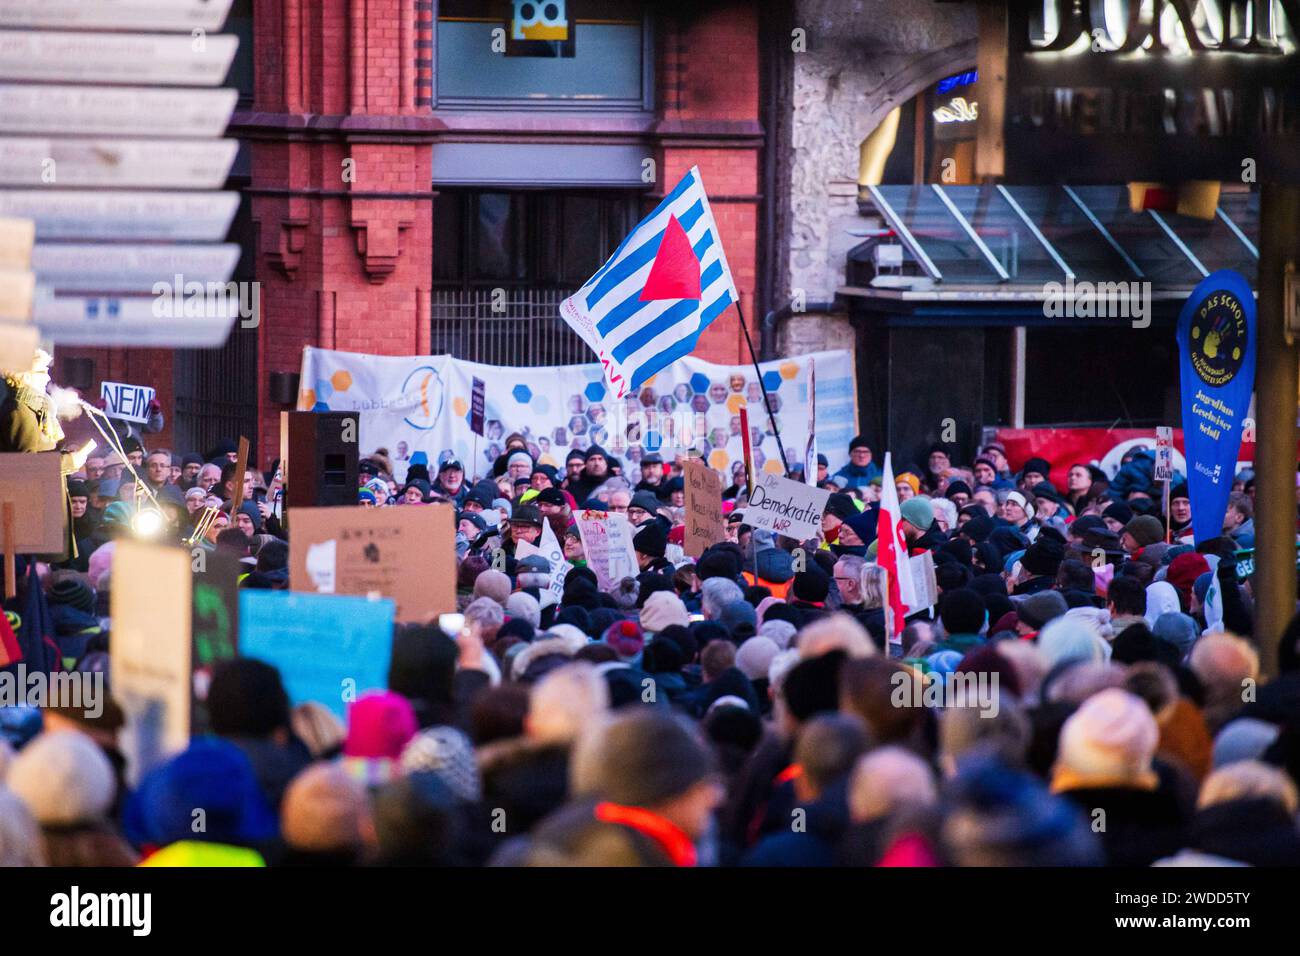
pixel 1103 447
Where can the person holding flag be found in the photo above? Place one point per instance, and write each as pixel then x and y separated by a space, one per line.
pixel 891 553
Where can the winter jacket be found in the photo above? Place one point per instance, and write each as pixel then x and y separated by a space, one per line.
pixel 600 833
pixel 821 829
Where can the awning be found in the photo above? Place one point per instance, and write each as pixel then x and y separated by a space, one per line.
pixel 1006 242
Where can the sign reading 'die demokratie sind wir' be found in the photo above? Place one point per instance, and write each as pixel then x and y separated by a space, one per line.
pixel 786 507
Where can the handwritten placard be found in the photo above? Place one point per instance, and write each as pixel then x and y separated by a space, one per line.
pixel 704 525
pixel 607 543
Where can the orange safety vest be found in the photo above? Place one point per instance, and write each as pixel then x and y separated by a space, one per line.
pixel 778 590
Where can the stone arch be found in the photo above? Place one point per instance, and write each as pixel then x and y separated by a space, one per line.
pixel 900 87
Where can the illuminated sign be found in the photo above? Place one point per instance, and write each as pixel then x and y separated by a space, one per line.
pixel 958 110
pixel 1105 91
pixel 950 83
pixel 1165 26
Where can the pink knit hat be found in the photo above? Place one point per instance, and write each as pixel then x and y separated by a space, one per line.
pixel 379 725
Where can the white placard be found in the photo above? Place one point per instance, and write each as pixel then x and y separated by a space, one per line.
pixel 119 163
pixel 181 216
pixel 786 507
pixel 140 58
pixel 123 268
pixel 1164 470
pixel 115 111
pixel 607 543
pixel 184 15
pixel 128 402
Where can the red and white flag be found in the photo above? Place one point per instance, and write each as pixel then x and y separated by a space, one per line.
pixel 891 550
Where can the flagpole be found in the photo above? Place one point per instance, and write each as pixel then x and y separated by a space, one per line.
pixel 766 404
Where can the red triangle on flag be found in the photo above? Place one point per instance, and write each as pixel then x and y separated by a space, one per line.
pixel 676 271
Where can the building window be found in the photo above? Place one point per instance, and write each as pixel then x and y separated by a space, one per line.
pixel 933 138
pixel 521 54
pixel 553 240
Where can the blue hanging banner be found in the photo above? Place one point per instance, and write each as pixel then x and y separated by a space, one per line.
pixel 1216 347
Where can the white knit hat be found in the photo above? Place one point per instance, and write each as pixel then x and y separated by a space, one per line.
pixel 754 657
pixel 1112 736
pixel 663 609
pixel 64 778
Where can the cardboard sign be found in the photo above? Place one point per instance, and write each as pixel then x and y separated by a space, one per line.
pixel 786 507
pixel 477 405
pixel 406 553
pixel 214 623
pixel 607 543
pixel 704 524
pixel 150 646
pixel 18 342
pixel 328 649
pixel 127 402
pixel 1164 470
pixel 34 484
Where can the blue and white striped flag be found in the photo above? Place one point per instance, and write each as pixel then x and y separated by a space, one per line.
pixel 666 282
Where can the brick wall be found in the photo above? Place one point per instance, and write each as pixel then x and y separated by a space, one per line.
pixel 347 264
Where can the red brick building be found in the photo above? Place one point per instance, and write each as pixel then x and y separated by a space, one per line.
pixel 415 182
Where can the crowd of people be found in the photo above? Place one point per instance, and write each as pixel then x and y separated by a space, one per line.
pixel 752 706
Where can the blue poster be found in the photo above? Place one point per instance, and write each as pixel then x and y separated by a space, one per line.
pixel 1216 347
pixel 329 648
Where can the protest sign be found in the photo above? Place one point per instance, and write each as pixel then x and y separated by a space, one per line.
pixel 33 517
pixel 927 588
pixel 477 405
pixel 127 402
pixel 407 554
pixel 704 525
pixel 214 623
pixel 1216 346
pixel 32 483
pixel 607 543
pixel 1164 470
pixel 553 551
pixel 328 648
pixel 786 507
pixel 150 649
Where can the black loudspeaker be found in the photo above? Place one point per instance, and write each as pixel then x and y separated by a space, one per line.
pixel 282 388
pixel 319 458
pixel 78 373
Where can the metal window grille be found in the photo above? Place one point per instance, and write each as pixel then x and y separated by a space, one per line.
pixel 505 326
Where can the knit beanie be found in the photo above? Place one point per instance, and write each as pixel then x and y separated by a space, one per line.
pixel 755 657
pixel 64 778
pixel 1145 529
pixel 626 638
pixel 918 511
pixel 324 810
pixel 493 584
pixel 71 589
pixel 651 540
pixel 663 609
pixel 523 605
pixel 1111 737
pixel 1044 556
pixel 379 725
pixel 448 754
